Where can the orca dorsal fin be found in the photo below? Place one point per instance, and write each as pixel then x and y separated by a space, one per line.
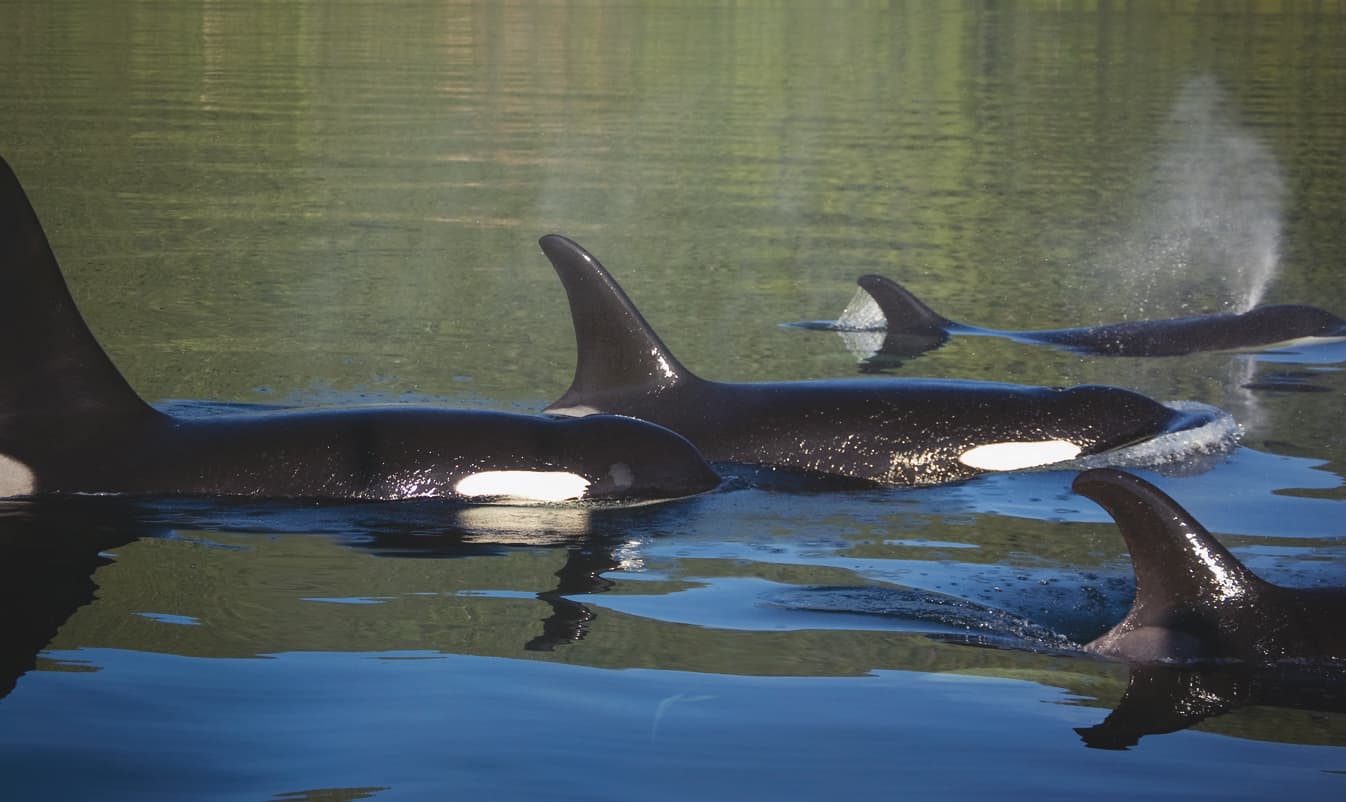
pixel 1178 564
pixel 616 348
pixel 50 363
pixel 902 310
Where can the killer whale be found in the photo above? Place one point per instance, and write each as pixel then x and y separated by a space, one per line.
pixel 70 423
pixel 884 431
pixel 912 328
pixel 1195 602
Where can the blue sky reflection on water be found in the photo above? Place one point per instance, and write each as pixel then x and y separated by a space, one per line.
pixel 654 734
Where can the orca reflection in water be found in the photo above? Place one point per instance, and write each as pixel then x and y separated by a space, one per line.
pixel 51 549
pixel 1161 699
pixel 70 423
pixel 48 555
pixel 1195 602
pixel 888 431
pixel 912 328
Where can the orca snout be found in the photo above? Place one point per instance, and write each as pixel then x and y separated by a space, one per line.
pixel 1289 321
pixel 1120 418
pixel 628 459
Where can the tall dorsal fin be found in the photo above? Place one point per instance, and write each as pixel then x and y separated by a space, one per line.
pixel 616 348
pixel 50 364
pixel 902 310
pixel 1178 564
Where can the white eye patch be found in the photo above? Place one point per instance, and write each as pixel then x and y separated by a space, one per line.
pixel 523 485
pixel 16 479
pixel 1015 455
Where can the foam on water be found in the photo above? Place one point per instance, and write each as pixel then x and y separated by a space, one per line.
pixel 1219 436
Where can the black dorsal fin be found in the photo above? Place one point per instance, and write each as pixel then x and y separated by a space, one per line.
pixel 616 348
pixel 1178 564
pixel 50 364
pixel 902 310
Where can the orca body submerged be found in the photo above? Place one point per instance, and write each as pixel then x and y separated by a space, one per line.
pixel 913 328
pixel 1195 602
pixel 70 423
pixel 885 431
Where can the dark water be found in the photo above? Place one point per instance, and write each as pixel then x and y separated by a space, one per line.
pixel 300 202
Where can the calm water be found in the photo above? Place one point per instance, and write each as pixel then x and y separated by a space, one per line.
pixel 328 201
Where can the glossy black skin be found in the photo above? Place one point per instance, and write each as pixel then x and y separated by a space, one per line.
pixel 1195 602
pixel 914 328
pixel 70 418
pixel 376 454
pixel 886 431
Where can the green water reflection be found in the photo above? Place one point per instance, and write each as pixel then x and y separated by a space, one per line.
pixel 296 194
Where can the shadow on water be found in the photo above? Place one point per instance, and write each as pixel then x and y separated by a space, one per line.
pixel 51 552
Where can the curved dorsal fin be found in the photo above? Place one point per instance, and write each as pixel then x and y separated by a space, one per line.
pixel 1178 564
pixel 50 364
pixel 616 348
pixel 902 310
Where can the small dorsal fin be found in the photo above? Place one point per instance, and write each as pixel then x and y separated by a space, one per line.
pixel 50 364
pixel 902 310
pixel 616 348
pixel 1178 564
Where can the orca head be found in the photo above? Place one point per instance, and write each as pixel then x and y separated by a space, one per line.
pixel 1280 322
pixel 1108 418
pixel 627 460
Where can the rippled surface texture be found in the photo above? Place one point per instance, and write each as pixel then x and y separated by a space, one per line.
pixel 324 202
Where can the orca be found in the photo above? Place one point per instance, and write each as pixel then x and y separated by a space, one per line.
pixel 1195 602
pixel 880 431
pixel 913 328
pixel 71 424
